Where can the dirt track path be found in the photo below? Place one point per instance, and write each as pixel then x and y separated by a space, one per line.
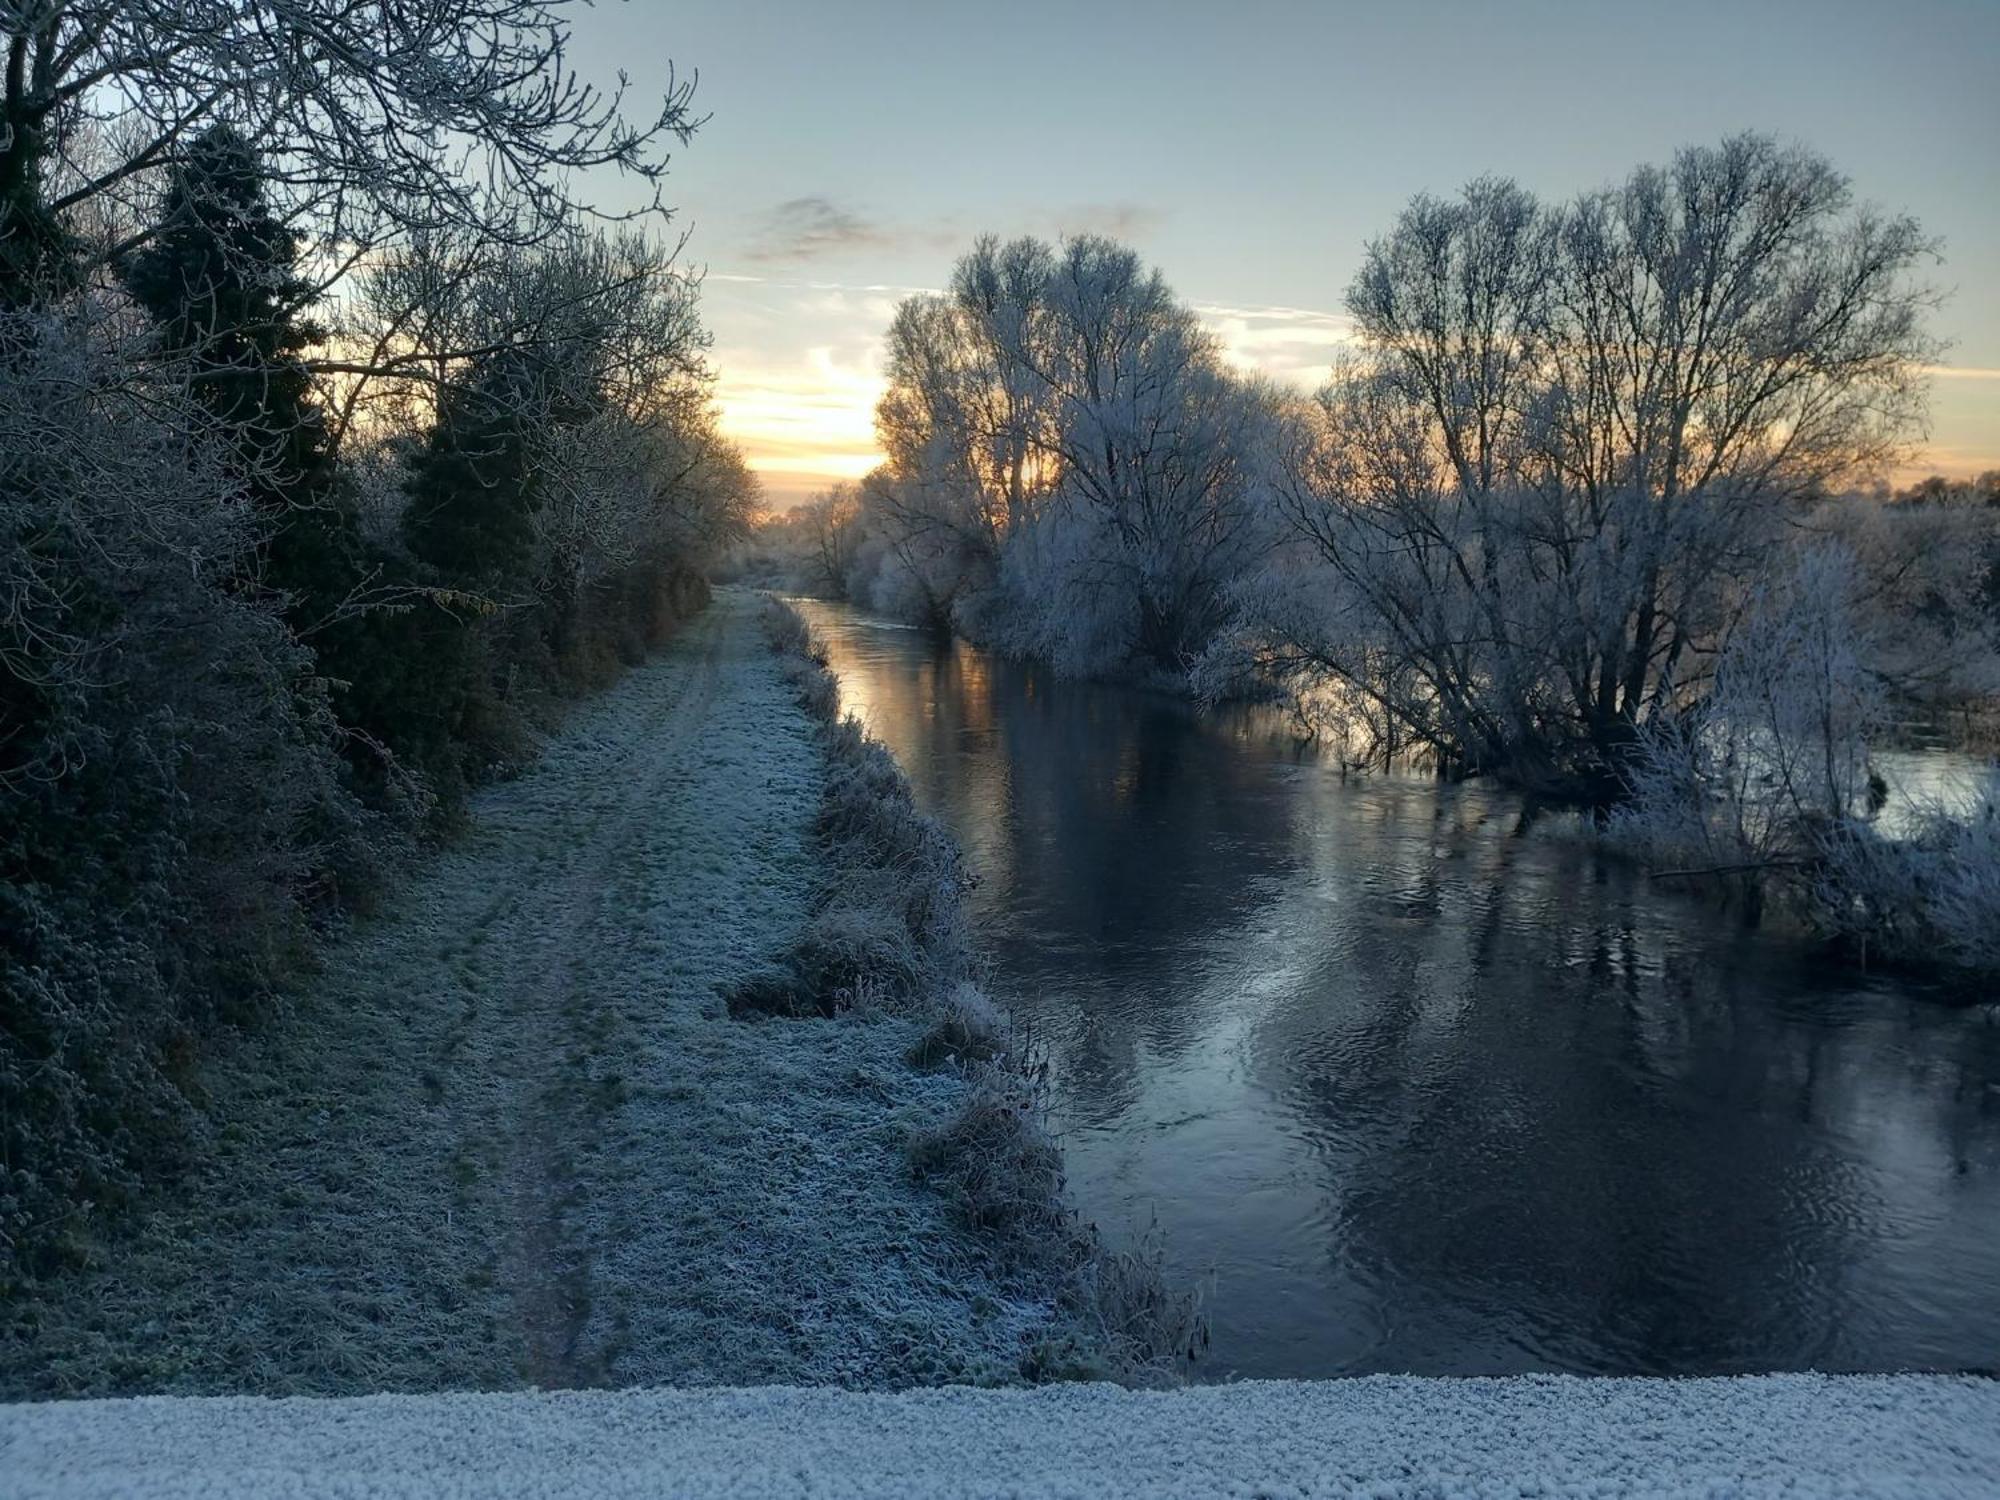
pixel 511 1137
pixel 550 945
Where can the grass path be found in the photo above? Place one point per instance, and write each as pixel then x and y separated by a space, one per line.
pixel 510 1137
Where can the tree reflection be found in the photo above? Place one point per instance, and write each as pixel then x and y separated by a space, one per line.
pixel 1429 1094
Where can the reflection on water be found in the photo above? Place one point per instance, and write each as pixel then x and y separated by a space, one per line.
pixel 1426 1095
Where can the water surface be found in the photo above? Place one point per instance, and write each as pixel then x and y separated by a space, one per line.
pixel 1420 1093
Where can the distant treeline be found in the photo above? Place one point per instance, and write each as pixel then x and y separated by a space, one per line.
pixel 338 445
pixel 1576 511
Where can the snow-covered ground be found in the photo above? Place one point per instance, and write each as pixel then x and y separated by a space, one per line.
pixel 513 1138
pixel 1388 1438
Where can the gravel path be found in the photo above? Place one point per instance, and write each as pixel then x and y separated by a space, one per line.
pixel 512 1138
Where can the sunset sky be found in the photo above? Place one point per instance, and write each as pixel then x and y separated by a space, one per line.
pixel 1250 150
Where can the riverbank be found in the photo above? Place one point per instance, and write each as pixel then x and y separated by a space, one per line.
pixel 1802 1437
pixel 514 1136
pixel 889 934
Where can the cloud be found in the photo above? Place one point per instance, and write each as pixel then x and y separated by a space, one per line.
pixel 817 401
pixel 799 367
pixel 1118 221
pixel 897 289
pixel 815 226
pixel 1294 346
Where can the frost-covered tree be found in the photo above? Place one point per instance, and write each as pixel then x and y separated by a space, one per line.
pixel 474 491
pixel 1765 786
pixel 1928 896
pixel 913 557
pixel 1773 760
pixel 567 481
pixel 817 540
pixel 965 425
pixel 220 275
pixel 588 395
pixel 1526 510
pixel 1158 457
pixel 1058 412
pixel 1929 563
pixel 379 120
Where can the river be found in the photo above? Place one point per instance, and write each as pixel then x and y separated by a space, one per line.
pixel 1407 1090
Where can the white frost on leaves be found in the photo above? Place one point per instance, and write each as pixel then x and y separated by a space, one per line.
pixel 1387 1437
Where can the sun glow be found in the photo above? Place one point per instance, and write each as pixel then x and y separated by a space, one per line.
pixel 805 417
pixel 802 424
pixel 804 412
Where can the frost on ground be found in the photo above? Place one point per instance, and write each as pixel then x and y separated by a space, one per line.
pixel 1391 1438
pixel 889 933
pixel 512 1137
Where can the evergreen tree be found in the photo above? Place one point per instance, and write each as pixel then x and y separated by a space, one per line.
pixel 474 492
pixel 221 275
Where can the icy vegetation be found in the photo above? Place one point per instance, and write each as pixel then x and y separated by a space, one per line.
pixel 1801 1437
pixel 889 935
pixel 514 1137
pixel 341 445
pixel 1766 787
pixel 1571 514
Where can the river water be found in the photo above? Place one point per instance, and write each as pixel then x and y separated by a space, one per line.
pixel 1409 1091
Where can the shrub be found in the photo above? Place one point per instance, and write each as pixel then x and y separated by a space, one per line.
pixel 174 811
pixel 969 1029
pixel 1929 898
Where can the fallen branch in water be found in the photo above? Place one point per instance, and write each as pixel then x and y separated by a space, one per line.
pixel 1742 869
